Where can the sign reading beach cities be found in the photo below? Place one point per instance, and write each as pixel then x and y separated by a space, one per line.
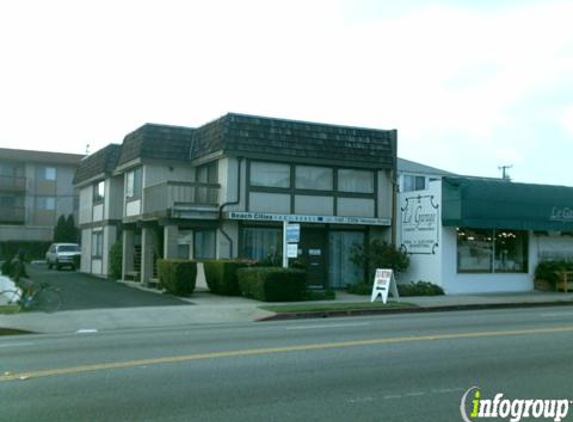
pixel 420 220
pixel 301 218
pixel 384 282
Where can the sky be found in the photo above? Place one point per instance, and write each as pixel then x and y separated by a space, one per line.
pixel 469 85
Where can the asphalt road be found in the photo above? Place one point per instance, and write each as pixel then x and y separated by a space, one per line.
pixel 82 291
pixel 392 368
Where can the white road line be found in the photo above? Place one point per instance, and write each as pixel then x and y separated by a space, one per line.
pixel 321 326
pixel 5 346
pixel 87 331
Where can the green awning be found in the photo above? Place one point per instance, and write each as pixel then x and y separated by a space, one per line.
pixel 492 203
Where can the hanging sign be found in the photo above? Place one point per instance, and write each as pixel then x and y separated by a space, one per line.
pixel 384 282
pixel 292 250
pixel 293 233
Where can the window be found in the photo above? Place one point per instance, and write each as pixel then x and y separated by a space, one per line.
pixel 47 173
pixel 272 175
pixel 360 181
pixel 485 250
pixel 413 183
pixel 99 191
pixel 204 244
pixel 262 243
pixel 133 185
pixel 317 178
pixel 208 173
pixel 97 244
pixel 47 203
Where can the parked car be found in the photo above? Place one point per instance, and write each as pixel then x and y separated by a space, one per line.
pixel 63 255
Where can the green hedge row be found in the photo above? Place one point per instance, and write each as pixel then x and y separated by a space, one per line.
pixel 221 276
pixel 178 276
pixel 33 250
pixel 272 284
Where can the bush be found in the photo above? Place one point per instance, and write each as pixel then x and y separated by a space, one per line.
pixel 34 250
pixel 363 289
pixel 221 276
pixel 549 270
pixel 421 288
pixel 272 284
pixel 319 295
pixel 116 260
pixel 178 276
pixel 379 254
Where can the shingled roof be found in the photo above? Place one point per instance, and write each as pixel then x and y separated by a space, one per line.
pixel 268 138
pixel 102 162
pixel 158 142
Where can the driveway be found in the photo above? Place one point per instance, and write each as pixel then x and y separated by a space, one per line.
pixel 82 291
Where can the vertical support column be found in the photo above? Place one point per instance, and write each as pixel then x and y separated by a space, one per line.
pixel 146 255
pixel 170 233
pixel 128 253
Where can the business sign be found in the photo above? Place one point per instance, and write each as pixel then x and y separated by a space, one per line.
pixel 384 282
pixel 301 218
pixel 419 224
pixel 292 250
pixel 292 233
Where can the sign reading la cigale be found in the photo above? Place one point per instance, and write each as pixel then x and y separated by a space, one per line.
pixel 301 218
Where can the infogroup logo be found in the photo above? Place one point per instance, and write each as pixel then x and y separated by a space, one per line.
pixel 474 407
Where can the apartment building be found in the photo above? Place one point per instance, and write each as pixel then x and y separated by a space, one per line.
pixel 35 189
pixel 227 188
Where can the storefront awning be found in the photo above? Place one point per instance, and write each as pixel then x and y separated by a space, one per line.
pixel 491 204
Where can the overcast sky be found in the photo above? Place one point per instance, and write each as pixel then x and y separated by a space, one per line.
pixel 470 85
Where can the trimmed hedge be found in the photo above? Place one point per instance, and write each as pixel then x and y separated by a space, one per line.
pixel 221 276
pixel 421 288
pixel 272 284
pixel 178 276
pixel 34 250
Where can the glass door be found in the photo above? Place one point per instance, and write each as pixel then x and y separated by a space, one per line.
pixel 341 271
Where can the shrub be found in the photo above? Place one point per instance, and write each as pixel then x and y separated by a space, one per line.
pixel 549 270
pixel 34 250
pixel 221 276
pixel 421 288
pixel 379 254
pixel 272 284
pixel 115 260
pixel 319 295
pixel 360 289
pixel 178 276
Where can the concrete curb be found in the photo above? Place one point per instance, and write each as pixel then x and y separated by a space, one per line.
pixel 414 309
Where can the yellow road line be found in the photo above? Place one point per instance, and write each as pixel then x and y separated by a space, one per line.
pixel 272 350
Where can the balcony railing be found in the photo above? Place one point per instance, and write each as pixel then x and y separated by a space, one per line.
pixel 171 196
pixel 12 215
pixel 12 183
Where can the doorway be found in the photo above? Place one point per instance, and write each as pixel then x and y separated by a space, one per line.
pixel 314 255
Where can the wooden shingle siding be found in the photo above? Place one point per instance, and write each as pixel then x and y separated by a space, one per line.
pixel 103 161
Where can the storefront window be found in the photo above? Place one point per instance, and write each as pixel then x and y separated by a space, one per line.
pixel 205 244
pixel 485 250
pixel 262 243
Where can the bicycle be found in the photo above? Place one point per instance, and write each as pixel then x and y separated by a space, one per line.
pixel 44 298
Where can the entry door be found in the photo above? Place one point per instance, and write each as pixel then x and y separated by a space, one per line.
pixel 314 253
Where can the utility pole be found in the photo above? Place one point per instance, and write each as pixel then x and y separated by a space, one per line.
pixel 504 174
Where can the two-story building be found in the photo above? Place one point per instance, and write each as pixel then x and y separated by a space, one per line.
pixel 224 190
pixel 35 190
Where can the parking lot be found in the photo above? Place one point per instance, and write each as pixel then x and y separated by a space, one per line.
pixel 81 291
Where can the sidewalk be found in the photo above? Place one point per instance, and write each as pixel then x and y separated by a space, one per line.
pixel 205 308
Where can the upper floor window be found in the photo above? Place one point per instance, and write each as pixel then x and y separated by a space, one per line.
pixel 47 173
pixel 99 191
pixel 317 178
pixel 133 185
pixel 208 173
pixel 47 203
pixel 271 175
pixel 413 183
pixel 359 181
